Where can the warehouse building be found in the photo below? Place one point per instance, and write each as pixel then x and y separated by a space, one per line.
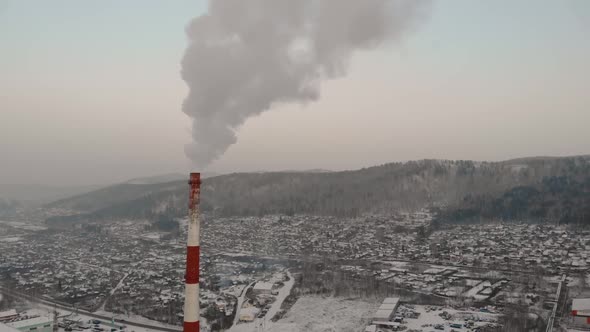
pixel 37 324
pixel 262 288
pixel 8 315
pixel 581 313
pixel 387 310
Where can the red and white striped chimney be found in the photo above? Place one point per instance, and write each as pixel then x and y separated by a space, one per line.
pixel 191 296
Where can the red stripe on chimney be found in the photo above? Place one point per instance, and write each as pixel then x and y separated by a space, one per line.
pixel 195 191
pixel 192 265
pixel 191 327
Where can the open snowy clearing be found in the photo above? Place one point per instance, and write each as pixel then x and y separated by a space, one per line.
pixel 319 314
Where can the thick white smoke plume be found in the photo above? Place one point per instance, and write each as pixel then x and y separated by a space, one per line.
pixel 246 55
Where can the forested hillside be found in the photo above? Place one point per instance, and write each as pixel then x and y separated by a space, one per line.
pixel 113 196
pixel 562 199
pixel 379 189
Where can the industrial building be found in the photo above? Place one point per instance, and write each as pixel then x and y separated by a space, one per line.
pixel 8 315
pixel 262 288
pixel 386 310
pixel 37 324
pixel 371 328
pixel 248 314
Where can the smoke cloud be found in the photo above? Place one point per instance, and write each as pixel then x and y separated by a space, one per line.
pixel 244 56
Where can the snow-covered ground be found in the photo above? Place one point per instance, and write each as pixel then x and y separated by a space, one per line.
pixel 240 302
pixel 320 314
pixel 396 264
pixel 428 318
pixel 329 314
pixel 280 298
pixel 119 285
pixel 474 292
pixel 151 236
pixel 265 324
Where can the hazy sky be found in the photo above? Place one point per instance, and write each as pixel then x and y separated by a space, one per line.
pixel 90 92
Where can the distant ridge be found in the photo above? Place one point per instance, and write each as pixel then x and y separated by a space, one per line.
pixel 541 158
pixel 157 179
pixel 165 178
pixel 40 194
pixel 378 189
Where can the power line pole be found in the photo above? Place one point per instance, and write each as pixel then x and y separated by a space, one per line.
pixel 55 324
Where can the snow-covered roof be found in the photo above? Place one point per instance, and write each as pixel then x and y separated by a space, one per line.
pixel 371 328
pixel 248 313
pixel 388 306
pixel 394 300
pixel 30 322
pixel 383 314
pixel 263 286
pixel 7 313
pixel 386 323
pixel 582 306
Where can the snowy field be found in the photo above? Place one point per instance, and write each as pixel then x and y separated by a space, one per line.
pixel 319 314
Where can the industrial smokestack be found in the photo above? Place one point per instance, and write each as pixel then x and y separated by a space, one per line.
pixel 244 57
pixel 191 296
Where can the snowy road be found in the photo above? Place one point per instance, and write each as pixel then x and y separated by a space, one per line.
pixel 241 301
pixel 148 325
pixel 283 293
pixel 114 290
pixel 265 324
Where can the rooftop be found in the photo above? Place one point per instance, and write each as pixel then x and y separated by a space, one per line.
pixel 30 322
pixel 391 300
pixel 8 313
pixel 581 306
pixel 263 286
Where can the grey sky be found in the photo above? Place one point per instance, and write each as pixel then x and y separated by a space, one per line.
pixel 94 95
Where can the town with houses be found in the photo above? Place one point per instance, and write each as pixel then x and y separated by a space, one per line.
pixel 274 273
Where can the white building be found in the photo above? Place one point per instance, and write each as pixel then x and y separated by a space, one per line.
pixel 581 313
pixel 8 315
pixel 263 288
pixel 387 309
pixel 248 314
pixel 37 324
pixel 371 328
